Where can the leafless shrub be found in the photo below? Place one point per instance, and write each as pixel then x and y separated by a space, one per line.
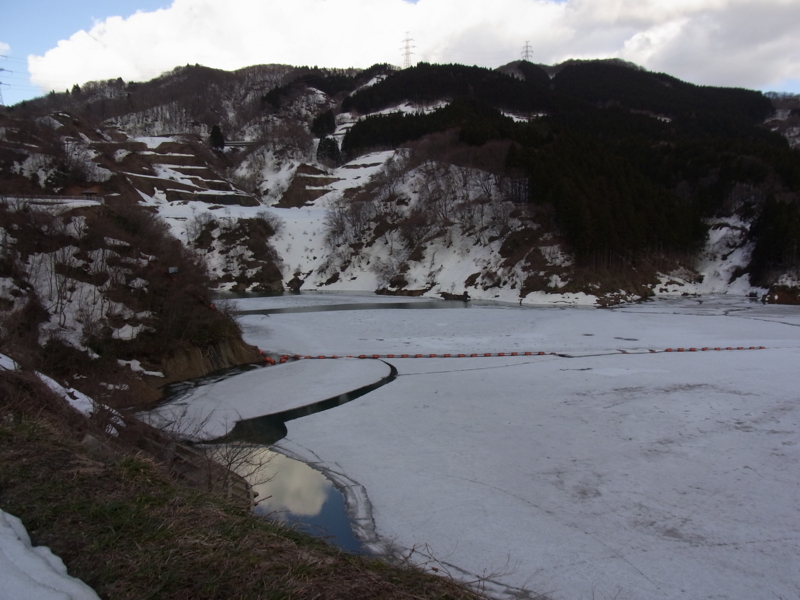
pixel 348 220
pixel 438 194
pixel 288 139
pixel 423 557
pixel 473 217
pixel 225 463
pixel 197 223
pixel 390 268
pixel 90 313
pixel 485 182
pixel 245 179
pixel 500 215
pixel 335 225
pixel 417 226
pixel 272 220
pixel 240 459
pixel 80 161
pixel 392 175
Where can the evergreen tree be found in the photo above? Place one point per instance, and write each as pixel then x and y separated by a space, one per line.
pixel 777 233
pixel 216 138
pixel 328 152
pixel 324 124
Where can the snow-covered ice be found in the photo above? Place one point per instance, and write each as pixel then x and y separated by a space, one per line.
pixel 321 299
pixel 7 363
pixel 607 471
pixel 211 411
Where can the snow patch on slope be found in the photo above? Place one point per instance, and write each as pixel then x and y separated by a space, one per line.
pixel 34 572
pixel 720 266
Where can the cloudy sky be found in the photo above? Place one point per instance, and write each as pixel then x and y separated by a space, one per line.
pixel 53 44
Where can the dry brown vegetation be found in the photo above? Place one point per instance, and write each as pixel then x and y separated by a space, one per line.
pixel 249 259
pixel 125 254
pixel 124 527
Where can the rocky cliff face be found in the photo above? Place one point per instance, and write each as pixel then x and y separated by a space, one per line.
pixel 195 361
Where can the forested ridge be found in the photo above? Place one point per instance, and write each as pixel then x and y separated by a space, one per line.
pixel 428 83
pixel 628 161
pixel 624 164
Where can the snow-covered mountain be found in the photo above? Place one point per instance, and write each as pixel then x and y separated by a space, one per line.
pixel 432 216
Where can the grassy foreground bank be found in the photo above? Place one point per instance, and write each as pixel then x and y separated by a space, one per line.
pixel 124 527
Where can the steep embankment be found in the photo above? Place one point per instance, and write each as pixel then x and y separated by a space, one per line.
pixel 102 505
pixel 104 299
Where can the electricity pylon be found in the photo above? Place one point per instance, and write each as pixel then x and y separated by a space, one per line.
pixel 527 52
pixel 407 51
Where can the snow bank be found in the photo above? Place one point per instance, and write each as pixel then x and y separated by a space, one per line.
pixel 153 142
pixel 33 572
pixel 136 367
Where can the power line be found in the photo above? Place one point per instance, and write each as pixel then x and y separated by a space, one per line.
pixel 527 52
pixel 2 83
pixel 407 51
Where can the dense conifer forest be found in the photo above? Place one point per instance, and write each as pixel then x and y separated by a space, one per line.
pixel 628 161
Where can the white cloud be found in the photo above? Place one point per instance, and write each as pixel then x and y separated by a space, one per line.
pixel 643 46
pixel 749 43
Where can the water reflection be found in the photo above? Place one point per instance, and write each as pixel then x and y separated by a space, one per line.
pixel 292 492
pixel 289 486
pixel 268 429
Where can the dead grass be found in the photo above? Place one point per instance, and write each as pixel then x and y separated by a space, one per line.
pixel 125 528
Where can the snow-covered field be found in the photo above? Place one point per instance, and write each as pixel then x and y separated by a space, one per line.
pixel 610 471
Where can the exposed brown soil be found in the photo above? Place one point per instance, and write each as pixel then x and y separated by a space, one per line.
pixel 401 292
pixel 194 361
pixel 304 187
pixel 781 294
